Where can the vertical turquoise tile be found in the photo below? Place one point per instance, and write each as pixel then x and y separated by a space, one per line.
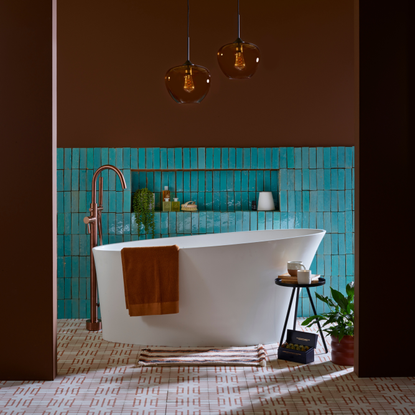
pixel 298 179
pixel 209 181
pixel 209 158
pixel 68 223
pixel 238 201
pixel 59 180
pixel 261 220
pixel 126 158
pixel 225 158
pixel 349 243
pixel 164 223
pixel 306 179
pixel 75 180
pixel 179 182
pixel 341 201
pixel 334 222
pixel 112 157
pixel 334 206
pixel 209 201
pixel 260 181
pixel 201 158
pixel 297 157
pixel 268 158
pixel 291 201
pixel 180 222
pixel 61 223
pixel 193 158
pixel 149 158
pixel 268 220
pixel 156 158
pixel 340 157
pixel 327 158
pixel 284 179
pixel 291 179
pixel 239 158
pixel 216 222
pixel 67 202
pixel 327 179
pixel 75 158
pixel 335 244
pixel 306 220
pixel 283 201
pixel 261 158
pixel 74 223
pixel 237 176
pixel 232 158
pixel 194 181
pixel 247 158
pixel 223 202
pixel 172 222
pixel 178 159
pixel 201 181
pixel 341 224
pixel 68 158
pixel 164 179
pixel 67 174
pixel 298 220
pixel 252 181
pixel 348 200
pixel 313 220
pixel 320 179
pixel 172 183
pixel 186 181
pixel 267 181
pixel 170 158
pixel 334 179
pixel 141 158
pixel 246 222
pixel 134 158
pixel 244 180
pixel 149 181
pixel 67 242
pixel 111 223
pixel 276 158
pixel 313 179
pixel 157 223
pixel 320 201
pixel 82 158
pixel 254 221
pixel 349 221
pixel 126 201
pixel 216 201
pixel 306 201
pixel 313 201
pixel 209 222
pixel 349 264
pixel 201 201
pixel 119 201
pixel 298 204
pixel 134 225
pixel 327 243
pixel 163 158
pixel 283 158
pixel 119 224
pixel 254 158
pixel 60 163
pixel 320 157
pixel 118 159
pixel 202 222
pixel 223 181
pixel 349 158
pixel 238 221
pixel 216 158
pixel 341 180
pixel 333 157
pixel 245 201
pixel 305 156
pixel 195 223
pixel 342 265
pixel 284 220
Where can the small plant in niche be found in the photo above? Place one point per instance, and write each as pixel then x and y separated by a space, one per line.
pixel 143 207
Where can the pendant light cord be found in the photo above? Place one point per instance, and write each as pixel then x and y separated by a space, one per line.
pixel 239 23
pixel 188 35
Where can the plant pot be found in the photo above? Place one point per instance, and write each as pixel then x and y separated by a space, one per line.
pixel 342 353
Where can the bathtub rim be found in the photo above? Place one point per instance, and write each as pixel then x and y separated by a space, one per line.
pixel 105 247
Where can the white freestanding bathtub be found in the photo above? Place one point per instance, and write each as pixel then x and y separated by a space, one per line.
pixel 228 295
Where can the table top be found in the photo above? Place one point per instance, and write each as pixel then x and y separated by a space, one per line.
pixel 321 281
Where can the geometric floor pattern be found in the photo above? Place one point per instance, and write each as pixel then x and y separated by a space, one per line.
pixel 96 377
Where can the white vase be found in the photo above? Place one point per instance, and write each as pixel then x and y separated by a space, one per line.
pixel 266 201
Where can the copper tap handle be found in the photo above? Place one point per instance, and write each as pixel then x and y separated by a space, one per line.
pixel 88 227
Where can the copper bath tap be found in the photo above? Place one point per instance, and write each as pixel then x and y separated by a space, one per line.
pixel 94 226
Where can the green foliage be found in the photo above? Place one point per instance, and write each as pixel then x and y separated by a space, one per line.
pixel 339 321
pixel 143 206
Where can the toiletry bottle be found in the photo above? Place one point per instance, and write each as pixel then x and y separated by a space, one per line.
pixel 175 205
pixel 166 193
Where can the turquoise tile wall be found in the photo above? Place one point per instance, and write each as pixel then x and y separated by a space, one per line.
pixel 313 188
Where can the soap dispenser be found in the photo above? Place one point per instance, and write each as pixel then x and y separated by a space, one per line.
pixel 166 199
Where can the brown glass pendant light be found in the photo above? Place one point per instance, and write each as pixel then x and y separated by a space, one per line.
pixel 188 83
pixel 238 60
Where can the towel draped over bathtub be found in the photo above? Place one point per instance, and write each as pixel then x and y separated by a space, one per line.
pixel 151 280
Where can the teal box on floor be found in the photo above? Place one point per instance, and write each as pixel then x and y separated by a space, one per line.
pixel 300 338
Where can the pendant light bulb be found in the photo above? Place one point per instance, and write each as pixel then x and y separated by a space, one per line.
pixel 238 60
pixel 188 83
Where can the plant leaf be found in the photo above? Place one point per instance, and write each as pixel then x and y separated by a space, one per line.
pixel 339 298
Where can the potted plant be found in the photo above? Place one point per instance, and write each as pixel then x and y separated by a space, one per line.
pixel 143 206
pixel 339 323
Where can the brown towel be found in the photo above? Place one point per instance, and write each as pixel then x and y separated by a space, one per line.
pixel 151 280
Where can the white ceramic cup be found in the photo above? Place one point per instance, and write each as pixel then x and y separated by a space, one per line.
pixel 293 266
pixel 304 276
pixel 265 201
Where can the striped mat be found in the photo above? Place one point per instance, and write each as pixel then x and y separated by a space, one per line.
pixel 203 356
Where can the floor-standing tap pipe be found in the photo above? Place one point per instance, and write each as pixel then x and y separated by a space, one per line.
pixel 94 225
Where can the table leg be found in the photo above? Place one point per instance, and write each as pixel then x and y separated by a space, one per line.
pixel 286 318
pixel 296 309
pixel 318 323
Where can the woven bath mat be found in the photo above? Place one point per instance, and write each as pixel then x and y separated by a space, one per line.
pixel 203 356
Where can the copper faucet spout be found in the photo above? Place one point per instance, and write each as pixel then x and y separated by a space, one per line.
pixel 98 171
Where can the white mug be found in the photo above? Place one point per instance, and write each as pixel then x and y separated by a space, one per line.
pixel 304 276
pixel 293 266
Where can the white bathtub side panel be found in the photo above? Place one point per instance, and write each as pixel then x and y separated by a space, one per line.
pixel 227 296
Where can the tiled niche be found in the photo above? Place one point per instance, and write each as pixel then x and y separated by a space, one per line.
pixel 312 187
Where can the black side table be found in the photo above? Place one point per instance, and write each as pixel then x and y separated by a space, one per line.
pixel 321 281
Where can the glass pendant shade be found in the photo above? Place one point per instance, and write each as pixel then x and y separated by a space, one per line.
pixel 238 60
pixel 188 83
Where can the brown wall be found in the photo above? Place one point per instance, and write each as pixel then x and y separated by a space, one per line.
pixel 27 208
pixel 113 55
